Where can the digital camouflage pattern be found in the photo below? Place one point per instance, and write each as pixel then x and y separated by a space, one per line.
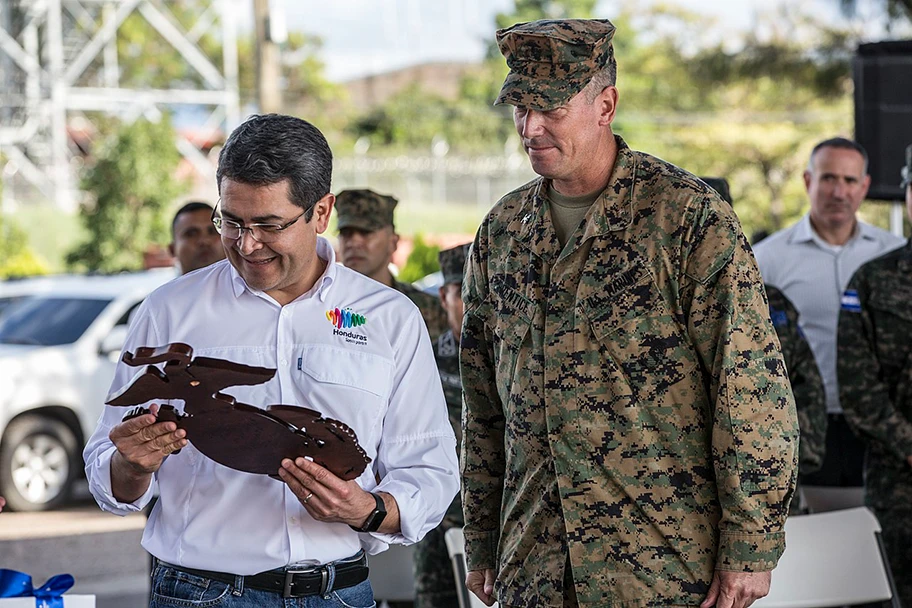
pixel 435 583
pixel 806 381
pixel 550 61
pixel 874 369
pixel 720 185
pixel 626 402
pixel 431 311
pixel 364 210
pixel 452 263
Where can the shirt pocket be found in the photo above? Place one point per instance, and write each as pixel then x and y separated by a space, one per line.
pixel 352 387
pixel 509 317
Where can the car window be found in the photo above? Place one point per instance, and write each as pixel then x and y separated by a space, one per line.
pixel 7 301
pixel 49 321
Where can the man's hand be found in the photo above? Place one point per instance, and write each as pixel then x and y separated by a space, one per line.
pixel 481 583
pixel 736 589
pixel 142 444
pixel 326 497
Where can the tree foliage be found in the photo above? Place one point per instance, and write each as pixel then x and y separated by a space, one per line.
pixel 131 185
pixel 16 257
pixel 421 262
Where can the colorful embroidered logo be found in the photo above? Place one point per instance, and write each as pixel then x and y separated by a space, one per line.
pixel 344 319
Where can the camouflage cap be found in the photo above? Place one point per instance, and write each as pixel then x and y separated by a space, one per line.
pixel 907 170
pixel 552 60
pixel 364 210
pixel 452 263
pixel 720 185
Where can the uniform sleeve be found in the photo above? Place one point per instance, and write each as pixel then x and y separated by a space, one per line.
pixel 810 397
pixel 99 450
pixel 865 398
pixel 754 435
pixel 482 456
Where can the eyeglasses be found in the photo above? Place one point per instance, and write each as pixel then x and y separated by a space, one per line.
pixel 262 233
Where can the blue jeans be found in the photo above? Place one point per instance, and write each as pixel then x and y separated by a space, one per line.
pixel 176 589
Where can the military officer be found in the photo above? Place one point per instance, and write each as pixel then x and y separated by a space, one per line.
pixel 874 367
pixel 629 434
pixel 367 241
pixel 434 582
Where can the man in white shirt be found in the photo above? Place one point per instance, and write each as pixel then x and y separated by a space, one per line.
pixel 811 262
pixel 246 540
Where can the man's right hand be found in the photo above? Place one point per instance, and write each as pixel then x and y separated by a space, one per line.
pixel 142 444
pixel 481 583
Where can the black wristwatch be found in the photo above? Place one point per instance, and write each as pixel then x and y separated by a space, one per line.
pixel 376 517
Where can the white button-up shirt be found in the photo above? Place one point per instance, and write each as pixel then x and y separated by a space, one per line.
pixel 380 378
pixel 813 274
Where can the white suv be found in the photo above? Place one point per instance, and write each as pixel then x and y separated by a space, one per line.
pixel 60 339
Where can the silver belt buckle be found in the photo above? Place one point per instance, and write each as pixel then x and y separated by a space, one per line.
pixel 289 580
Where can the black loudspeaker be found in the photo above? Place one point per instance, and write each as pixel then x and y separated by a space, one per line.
pixel 883 112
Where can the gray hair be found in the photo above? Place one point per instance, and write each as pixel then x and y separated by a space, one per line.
pixel 604 78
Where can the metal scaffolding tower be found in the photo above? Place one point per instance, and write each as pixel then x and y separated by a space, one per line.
pixel 59 65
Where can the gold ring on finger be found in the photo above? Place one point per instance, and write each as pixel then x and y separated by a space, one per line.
pixel 308 497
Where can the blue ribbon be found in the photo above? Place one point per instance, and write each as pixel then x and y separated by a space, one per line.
pixel 49 595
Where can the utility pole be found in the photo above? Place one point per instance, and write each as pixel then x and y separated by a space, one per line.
pixel 269 34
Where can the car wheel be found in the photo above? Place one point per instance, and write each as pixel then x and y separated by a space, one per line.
pixel 38 463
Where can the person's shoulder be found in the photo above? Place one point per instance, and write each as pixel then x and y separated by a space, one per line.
pixel 512 203
pixel 884 237
pixel 774 241
pixel 885 263
pixel 186 289
pixel 658 177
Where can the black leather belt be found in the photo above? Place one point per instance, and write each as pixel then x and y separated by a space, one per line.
pixel 293 582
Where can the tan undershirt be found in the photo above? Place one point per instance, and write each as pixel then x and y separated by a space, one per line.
pixel 567 212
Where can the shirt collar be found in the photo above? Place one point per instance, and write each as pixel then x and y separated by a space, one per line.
pixel 804 231
pixel 321 288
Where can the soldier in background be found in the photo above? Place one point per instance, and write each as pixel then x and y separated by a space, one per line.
pixel 629 433
pixel 434 583
pixel 874 366
pixel 367 242
pixel 807 386
pixel 804 375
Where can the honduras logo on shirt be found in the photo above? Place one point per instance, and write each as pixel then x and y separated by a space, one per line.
pixel 850 301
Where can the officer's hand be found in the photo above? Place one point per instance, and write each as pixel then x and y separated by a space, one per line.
pixel 481 583
pixel 143 442
pixel 326 497
pixel 736 589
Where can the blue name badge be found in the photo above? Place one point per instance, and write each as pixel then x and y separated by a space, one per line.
pixel 850 301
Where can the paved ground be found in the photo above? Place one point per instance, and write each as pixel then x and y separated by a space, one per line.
pixel 100 550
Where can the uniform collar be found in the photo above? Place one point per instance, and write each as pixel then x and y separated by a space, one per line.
pixel 322 286
pixel 612 210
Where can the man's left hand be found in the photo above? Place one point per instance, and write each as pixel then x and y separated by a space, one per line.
pixel 326 497
pixel 736 589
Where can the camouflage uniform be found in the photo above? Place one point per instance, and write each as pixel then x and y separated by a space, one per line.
pixel 367 210
pixel 435 585
pixel 626 403
pixel 874 368
pixel 807 384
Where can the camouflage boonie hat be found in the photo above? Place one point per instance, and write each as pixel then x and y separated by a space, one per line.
pixel 452 263
pixel 720 185
pixel 552 60
pixel 364 210
pixel 907 170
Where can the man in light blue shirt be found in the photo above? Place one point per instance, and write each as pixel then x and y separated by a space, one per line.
pixel 811 262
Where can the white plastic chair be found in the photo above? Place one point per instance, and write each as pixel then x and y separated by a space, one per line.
pixel 831 559
pixel 391 574
pixel 455 542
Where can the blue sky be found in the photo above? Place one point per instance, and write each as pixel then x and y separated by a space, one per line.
pixel 371 36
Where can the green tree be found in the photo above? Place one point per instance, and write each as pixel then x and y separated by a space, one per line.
pixel 131 185
pixel 421 262
pixel 16 258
